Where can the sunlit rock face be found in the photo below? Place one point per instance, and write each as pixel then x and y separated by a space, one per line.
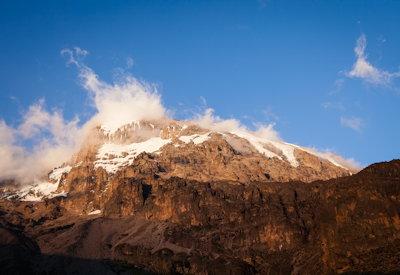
pixel 173 197
pixel 174 225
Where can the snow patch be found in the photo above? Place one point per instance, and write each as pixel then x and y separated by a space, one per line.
pixel 197 139
pixel 112 157
pixel 262 144
pixel 37 191
pixel 287 150
pixel 57 173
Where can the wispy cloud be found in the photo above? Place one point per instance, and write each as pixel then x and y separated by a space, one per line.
pixel 354 123
pixel 74 55
pixel 210 121
pixel 129 62
pixel 336 158
pixel 338 86
pixel 364 70
pixel 270 114
pixel 333 105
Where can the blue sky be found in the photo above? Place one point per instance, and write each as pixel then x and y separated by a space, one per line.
pixel 291 63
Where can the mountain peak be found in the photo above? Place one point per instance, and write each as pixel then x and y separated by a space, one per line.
pixel 184 149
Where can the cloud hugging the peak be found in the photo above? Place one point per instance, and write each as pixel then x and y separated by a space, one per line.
pixel 53 141
pixel 364 70
pixel 44 140
pixel 118 103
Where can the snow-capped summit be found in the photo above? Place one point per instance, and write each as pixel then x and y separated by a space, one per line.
pixel 167 148
pixel 121 147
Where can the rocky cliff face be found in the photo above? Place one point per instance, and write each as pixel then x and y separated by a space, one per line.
pixel 177 225
pixel 172 197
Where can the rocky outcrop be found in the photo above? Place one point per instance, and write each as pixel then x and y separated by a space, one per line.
pixel 175 225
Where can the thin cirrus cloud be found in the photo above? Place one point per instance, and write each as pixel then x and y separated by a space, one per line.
pixel 354 123
pixel 333 105
pixel 129 62
pixel 364 70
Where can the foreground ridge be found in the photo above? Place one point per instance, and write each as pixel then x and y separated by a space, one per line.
pixel 174 225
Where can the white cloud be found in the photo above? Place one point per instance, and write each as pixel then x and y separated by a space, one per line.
pixel 119 103
pixel 336 158
pixel 354 123
pixel 52 140
pixel 209 121
pixel 212 122
pixel 122 103
pixel 365 70
pixel 74 55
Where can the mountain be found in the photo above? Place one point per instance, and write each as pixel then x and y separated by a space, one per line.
pixel 348 225
pixel 174 197
pixel 162 149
